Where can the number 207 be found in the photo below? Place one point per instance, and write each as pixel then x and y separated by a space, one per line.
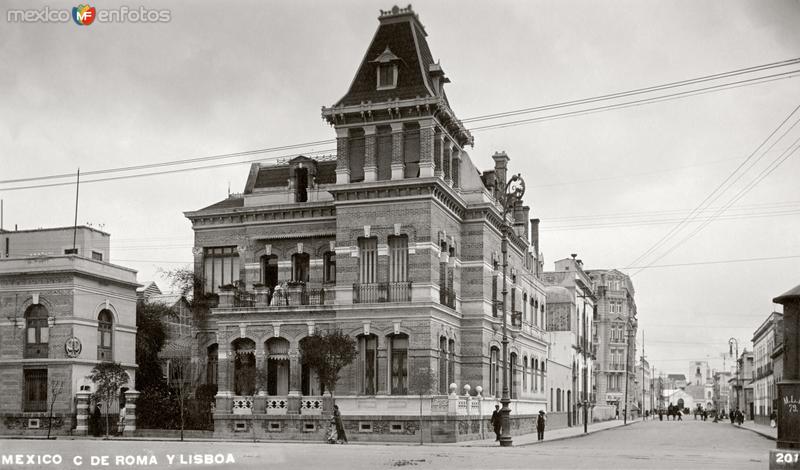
pixel 787 457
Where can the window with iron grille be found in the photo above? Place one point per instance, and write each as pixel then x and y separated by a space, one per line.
pixel 399 364
pixel 398 258
pixel 35 394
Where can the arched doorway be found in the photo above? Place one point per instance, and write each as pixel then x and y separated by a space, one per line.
pixel 244 367
pixel 277 366
pixel 680 404
pixel 309 380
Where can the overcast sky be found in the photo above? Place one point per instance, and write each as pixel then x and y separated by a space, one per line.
pixel 607 186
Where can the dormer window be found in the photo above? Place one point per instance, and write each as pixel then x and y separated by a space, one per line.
pixel 387 76
pixel 387 70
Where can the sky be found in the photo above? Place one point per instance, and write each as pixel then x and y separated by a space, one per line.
pixel 606 185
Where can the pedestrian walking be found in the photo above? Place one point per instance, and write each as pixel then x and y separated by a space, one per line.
pixel 660 414
pixel 773 419
pixel 497 423
pixel 332 434
pixel 540 422
pixel 732 416
pixel 340 434
pixel 739 417
pixel 679 413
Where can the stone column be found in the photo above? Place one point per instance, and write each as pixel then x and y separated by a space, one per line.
pixel 130 412
pixel 370 164
pixel 438 154
pixel 426 134
pixel 455 168
pixel 446 160
pixel 398 163
pixel 293 401
pixel 342 156
pixel 82 418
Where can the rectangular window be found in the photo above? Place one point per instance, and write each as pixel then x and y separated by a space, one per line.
pixel 411 151
pixel 356 146
pixel 386 76
pixel 220 267
pixel 369 357
pixel 35 390
pixel 368 260
pixel 300 267
pixel 97 256
pixel 399 365
pixel 383 156
pixel 71 251
pixel 329 266
pixel 398 259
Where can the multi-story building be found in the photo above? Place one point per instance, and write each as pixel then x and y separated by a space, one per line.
pixel 615 331
pixel 570 309
pixel 765 392
pixel 65 308
pixel 742 385
pixel 396 241
pixel 722 392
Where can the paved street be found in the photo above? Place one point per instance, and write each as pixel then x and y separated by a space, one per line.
pixel 645 445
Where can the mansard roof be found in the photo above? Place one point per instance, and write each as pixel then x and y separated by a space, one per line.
pixel 401 34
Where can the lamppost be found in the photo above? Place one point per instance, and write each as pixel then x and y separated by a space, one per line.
pixel 514 190
pixel 731 343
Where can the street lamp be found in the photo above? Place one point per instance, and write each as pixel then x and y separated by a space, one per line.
pixel 514 190
pixel 731 343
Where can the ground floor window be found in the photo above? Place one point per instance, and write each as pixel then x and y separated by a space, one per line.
pixel 399 364
pixel 35 395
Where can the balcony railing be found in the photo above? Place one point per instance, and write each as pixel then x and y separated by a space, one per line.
pixel 447 297
pixel 266 298
pixel 380 292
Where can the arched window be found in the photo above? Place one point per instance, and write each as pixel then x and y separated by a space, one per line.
pixel 451 360
pixel 278 366
pixel 212 363
pixel 558 399
pixel 443 365
pixel 513 367
pixel 310 384
pixel 300 267
pixel 368 363
pixel 105 349
pixel 37 332
pixel 244 366
pixel 398 365
pixel 329 266
pixel 494 369
pixel 525 374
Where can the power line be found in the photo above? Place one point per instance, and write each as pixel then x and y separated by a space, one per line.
pixel 724 261
pixel 764 173
pixel 752 81
pixel 635 91
pixel 708 199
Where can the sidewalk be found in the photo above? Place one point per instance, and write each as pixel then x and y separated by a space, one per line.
pixel 549 436
pixel 766 431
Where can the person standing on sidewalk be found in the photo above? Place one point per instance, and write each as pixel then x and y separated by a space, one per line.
pixel 340 434
pixel 497 423
pixel 540 421
pixel 773 418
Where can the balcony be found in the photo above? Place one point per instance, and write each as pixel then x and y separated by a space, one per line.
pixel 447 297
pixel 280 297
pixel 381 292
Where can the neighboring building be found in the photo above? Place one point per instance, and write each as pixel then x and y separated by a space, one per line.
pixel 62 314
pixel 570 309
pixel 699 373
pixel 765 392
pixel 722 391
pixel 396 241
pixel 680 398
pixel 616 327
pixel 742 385
pixel 180 332
pixel 676 381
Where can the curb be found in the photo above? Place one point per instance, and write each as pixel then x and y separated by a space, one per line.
pixel 561 438
pixel 760 432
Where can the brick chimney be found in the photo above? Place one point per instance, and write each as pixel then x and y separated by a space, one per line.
pixel 501 160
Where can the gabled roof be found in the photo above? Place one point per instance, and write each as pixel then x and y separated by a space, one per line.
pixel 400 38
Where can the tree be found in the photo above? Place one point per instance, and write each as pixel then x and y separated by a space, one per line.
pixel 328 353
pixel 185 378
pixel 422 383
pixel 56 387
pixel 108 378
pixel 151 336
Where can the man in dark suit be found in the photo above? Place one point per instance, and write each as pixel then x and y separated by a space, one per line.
pixel 496 422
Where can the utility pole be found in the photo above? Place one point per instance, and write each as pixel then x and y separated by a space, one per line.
pixel 627 355
pixel 643 382
pixel 75 227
